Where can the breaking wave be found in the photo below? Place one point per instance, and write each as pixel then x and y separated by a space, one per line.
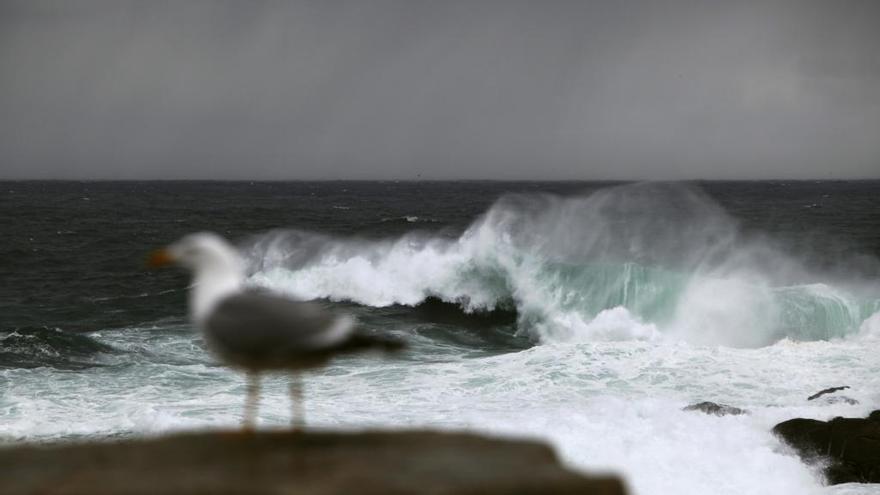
pixel 643 261
pixel 36 347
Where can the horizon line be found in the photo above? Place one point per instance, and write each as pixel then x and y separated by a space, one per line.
pixel 858 179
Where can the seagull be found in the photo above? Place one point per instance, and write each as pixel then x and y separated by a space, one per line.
pixel 257 330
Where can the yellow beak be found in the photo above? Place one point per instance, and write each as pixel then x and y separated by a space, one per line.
pixel 160 257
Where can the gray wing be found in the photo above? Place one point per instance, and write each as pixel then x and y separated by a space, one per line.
pixel 255 326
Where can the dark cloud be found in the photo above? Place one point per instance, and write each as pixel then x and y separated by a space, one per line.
pixel 454 89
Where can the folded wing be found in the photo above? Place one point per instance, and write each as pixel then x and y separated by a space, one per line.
pixel 265 328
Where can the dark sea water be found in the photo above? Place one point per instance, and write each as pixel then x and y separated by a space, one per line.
pixel 567 311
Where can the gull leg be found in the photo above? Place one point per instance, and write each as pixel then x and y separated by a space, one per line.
pixel 298 414
pixel 252 401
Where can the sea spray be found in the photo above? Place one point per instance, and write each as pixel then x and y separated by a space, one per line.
pixel 606 386
pixel 870 329
pixel 666 253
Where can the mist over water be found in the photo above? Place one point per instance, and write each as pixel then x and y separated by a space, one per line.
pixel 641 261
pixel 586 315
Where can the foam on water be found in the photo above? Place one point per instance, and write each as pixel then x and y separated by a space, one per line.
pixel 640 300
pixel 870 329
pixel 668 254
pixel 607 406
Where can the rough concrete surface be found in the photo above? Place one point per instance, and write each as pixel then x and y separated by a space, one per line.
pixel 296 463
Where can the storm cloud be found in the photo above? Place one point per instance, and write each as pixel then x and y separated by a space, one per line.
pixel 439 90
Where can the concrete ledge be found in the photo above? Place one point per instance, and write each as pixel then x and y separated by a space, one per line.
pixel 291 463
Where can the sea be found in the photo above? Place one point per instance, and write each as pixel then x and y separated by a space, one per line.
pixel 583 314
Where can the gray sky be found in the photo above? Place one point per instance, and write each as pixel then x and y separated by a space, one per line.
pixel 447 89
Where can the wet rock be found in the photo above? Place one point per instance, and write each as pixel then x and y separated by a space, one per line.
pixel 837 399
pixel 827 391
pixel 716 409
pixel 849 447
pixel 308 463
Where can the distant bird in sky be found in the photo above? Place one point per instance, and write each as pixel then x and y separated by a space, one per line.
pixel 256 330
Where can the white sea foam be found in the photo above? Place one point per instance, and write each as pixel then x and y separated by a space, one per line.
pixel 606 406
pixel 667 254
pixel 615 324
pixel 870 329
pixel 642 302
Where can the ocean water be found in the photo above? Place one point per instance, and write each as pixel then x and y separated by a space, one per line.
pixel 583 314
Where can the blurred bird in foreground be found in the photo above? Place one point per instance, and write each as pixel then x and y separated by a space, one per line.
pixel 256 330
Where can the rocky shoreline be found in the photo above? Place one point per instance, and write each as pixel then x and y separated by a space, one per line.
pixel 402 462
pixel 296 463
pixel 849 448
pixel 846 449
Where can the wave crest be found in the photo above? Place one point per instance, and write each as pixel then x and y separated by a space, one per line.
pixel 628 262
pixel 35 347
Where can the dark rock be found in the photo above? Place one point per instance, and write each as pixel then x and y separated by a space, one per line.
pixel 308 463
pixel 716 409
pixel 830 391
pixel 849 446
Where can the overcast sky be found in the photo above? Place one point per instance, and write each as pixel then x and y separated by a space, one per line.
pixel 404 89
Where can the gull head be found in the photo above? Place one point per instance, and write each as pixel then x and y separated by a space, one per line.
pixel 216 266
pixel 202 252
